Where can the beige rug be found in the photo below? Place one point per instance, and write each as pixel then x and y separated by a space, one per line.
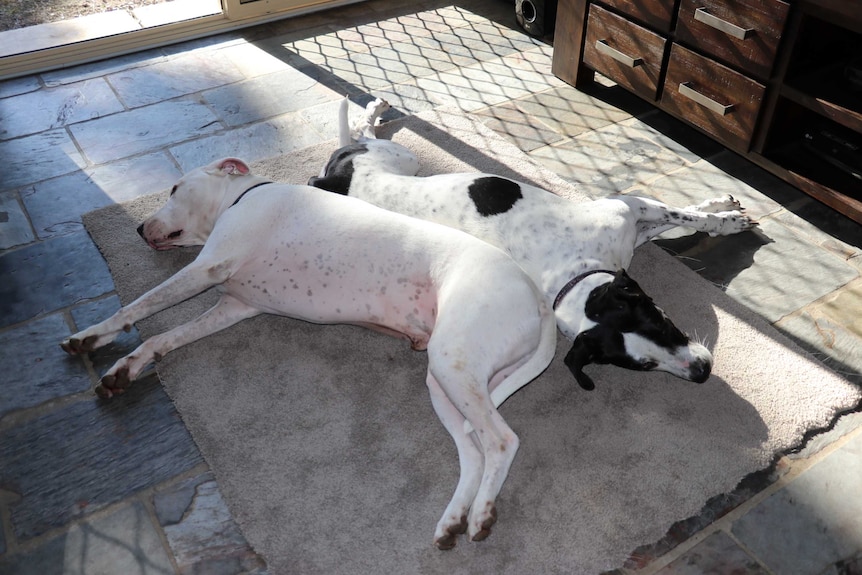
pixel 327 450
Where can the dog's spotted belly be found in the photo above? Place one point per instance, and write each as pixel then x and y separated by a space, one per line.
pixel 406 305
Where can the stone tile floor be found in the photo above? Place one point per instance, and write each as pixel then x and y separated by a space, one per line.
pixel 119 487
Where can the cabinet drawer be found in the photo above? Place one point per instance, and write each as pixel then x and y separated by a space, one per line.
pixel 655 13
pixel 711 96
pixel 623 51
pixel 743 33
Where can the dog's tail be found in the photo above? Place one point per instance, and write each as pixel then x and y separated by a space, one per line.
pixel 534 366
pixel 343 127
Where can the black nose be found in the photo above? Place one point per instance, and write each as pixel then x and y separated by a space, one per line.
pixel 699 371
pixel 141 230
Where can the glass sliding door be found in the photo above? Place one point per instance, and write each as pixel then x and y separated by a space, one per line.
pixel 91 37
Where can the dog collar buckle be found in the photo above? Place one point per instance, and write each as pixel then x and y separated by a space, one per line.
pixel 575 281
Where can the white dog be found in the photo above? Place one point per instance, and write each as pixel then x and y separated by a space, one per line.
pixel 303 253
pixel 577 253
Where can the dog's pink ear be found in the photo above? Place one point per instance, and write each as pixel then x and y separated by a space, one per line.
pixel 233 166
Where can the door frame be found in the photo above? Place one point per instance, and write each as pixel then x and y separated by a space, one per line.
pixel 243 9
pixel 234 16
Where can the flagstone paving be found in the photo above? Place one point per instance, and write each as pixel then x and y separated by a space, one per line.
pixel 119 487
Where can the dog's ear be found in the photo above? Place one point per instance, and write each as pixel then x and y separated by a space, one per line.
pixel 625 286
pixel 335 184
pixel 579 356
pixel 232 166
pixel 612 301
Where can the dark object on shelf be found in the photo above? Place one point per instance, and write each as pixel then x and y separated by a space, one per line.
pixel 853 74
pixel 537 17
pixel 841 152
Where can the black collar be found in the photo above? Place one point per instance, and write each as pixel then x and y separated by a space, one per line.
pixel 259 184
pixel 575 281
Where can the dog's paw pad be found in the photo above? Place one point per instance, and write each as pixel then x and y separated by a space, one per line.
pixel 104 392
pixel 117 381
pixel 70 346
pixel 77 346
pixel 446 542
pixel 482 533
pixel 485 526
pixel 725 203
pixel 448 535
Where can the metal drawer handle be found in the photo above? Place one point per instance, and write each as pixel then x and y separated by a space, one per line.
pixel 707 103
pixel 603 47
pixel 701 15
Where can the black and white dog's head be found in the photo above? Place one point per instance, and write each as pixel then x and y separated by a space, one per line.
pixel 628 330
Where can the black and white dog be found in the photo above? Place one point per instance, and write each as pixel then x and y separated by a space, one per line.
pixel 577 253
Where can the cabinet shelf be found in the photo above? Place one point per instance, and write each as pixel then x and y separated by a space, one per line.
pixel 807 129
pixel 810 144
pixel 799 160
pixel 825 106
pixel 816 177
pixel 827 98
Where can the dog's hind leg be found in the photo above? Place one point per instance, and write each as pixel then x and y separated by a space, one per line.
pixel 499 447
pixel 225 313
pixel 454 519
pixel 654 217
pixel 498 443
pixel 364 129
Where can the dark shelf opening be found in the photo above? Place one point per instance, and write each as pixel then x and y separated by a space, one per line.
pixel 838 82
pixel 805 143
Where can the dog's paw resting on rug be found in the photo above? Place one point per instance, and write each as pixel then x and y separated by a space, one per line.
pixel 299 252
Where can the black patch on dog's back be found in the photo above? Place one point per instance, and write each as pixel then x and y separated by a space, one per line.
pixel 493 195
pixel 338 173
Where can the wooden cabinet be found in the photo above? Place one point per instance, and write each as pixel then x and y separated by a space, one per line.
pixel 778 82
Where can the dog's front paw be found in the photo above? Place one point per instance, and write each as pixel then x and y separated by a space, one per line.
pixel 77 345
pixel 726 203
pixel 115 381
pixel 733 222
